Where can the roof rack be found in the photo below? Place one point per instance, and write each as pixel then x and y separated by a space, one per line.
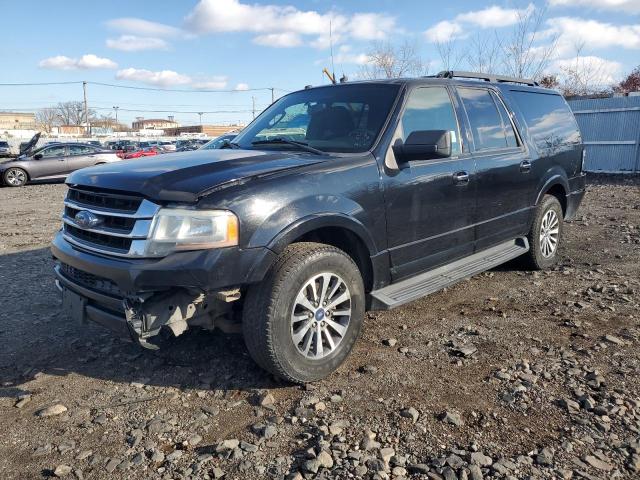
pixel 487 77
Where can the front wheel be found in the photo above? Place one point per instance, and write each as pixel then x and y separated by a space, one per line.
pixel 302 321
pixel 15 177
pixel 545 234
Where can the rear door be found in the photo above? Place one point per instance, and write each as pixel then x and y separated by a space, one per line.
pixel 81 156
pixel 503 175
pixel 430 203
pixel 50 162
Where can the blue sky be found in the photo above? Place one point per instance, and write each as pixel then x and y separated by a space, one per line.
pixel 239 45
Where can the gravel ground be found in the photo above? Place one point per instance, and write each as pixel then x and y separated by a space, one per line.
pixel 511 374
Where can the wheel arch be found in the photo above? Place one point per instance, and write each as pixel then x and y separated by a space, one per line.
pixel 557 185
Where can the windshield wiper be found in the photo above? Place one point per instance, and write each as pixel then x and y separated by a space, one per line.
pixel 230 145
pixel 279 140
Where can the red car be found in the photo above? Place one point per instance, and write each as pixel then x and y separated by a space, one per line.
pixel 145 152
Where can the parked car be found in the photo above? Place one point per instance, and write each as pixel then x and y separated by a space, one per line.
pixel 218 142
pixel 144 152
pixel 168 146
pixel 52 162
pixel 395 189
pixel 5 149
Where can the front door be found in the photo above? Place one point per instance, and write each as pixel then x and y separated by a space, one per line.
pixel 50 162
pixel 430 204
pixel 504 178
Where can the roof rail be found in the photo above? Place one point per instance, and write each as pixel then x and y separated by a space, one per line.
pixel 487 77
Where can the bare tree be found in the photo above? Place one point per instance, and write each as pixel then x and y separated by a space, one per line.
pixel 521 57
pixel 484 54
pixel 390 61
pixel 46 119
pixel 549 81
pixel 450 53
pixel 631 83
pixel 72 113
pixel 583 76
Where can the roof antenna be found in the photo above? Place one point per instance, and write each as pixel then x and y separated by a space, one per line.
pixel 333 68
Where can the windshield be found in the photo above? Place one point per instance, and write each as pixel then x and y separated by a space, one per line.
pixel 341 118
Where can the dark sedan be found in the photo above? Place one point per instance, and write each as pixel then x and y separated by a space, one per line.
pixel 53 162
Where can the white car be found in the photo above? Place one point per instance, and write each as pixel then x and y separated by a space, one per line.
pixel 167 146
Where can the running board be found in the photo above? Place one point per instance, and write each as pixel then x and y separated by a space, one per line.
pixel 429 282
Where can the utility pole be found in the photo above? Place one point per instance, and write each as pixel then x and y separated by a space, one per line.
pixel 200 113
pixel 86 109
pixel 253 106
pixel 116 110
pixel 272 95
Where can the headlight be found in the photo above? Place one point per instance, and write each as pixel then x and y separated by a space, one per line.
pixel 175 229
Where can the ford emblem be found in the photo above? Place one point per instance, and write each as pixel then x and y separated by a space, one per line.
pixel 86 219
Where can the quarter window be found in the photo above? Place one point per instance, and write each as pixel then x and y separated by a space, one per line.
pixel 430 108
pixel 486 124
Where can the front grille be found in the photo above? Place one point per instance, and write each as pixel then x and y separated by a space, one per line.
pixel 109 201
pixel 118 225
pixel 90 280
pixel 117 243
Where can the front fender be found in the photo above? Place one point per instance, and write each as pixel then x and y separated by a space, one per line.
pixel 310 213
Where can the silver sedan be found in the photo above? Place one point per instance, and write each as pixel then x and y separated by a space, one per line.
pixel 53 162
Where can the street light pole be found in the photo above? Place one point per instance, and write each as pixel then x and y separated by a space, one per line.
pixel 200 113
pixel 116 110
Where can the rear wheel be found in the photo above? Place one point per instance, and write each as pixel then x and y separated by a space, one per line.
pixel 15 177
pixel 302 321
pixel 545 234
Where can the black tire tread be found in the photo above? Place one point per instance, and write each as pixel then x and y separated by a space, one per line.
pixel 259 305
pixel 530 258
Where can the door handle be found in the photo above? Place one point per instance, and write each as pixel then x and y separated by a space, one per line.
pixel 461 178
pixel 525 166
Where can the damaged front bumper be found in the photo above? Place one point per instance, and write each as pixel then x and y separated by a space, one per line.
pixel 136 299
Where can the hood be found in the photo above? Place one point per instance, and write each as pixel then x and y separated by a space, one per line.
pixel 187 176
pixel 28 147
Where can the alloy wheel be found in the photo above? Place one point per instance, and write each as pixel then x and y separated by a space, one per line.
pixel 549 232
pixel 15 177
pixel 321 315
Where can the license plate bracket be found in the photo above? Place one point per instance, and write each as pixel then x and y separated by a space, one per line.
pixel 74 305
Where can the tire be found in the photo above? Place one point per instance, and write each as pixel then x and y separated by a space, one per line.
pixel 270 307
pixel 543 248
pixel 15 177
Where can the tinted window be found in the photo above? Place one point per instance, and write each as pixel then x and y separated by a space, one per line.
pixel 430 109
pixel 486 124
pixel 80 150
pixel 506 123
pixel 340 118
pixel 53 152
pixel 549 119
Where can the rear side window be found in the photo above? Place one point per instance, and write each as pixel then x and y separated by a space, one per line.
pixel 485 121
pixel 506 122
pixel 550 121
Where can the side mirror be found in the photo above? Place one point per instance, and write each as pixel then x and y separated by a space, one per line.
pixel 37 156
pixel 424 145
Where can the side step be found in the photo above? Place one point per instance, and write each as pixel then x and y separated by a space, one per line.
pixel 429 282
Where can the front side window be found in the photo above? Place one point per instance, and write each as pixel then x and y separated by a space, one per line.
pixel 430 108
pixel 52 152
pixel 338 118
pixel 484 119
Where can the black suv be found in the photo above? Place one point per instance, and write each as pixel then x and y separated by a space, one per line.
pixel 335 200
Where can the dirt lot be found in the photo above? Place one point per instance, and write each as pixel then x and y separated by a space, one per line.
pixel 511 374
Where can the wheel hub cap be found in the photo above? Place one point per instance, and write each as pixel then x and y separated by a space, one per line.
pixel 321 315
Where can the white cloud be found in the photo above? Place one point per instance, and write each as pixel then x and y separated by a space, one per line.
pixel 592 34
pixel 445 30
pixel 495 16
pixel 280 26
pixel 594 70
pixel 133 43
pixel 138 26
pixel 163 78
pixel 86 62
pixel 490 17
pixel 346 55
pixel 631 6
pixel 242 87
pixel 282 40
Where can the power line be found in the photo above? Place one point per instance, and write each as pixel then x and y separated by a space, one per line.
pixel 182 90
pixel 38 84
